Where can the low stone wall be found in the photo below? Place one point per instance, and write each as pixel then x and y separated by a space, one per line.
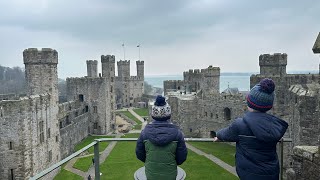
pixel 306 163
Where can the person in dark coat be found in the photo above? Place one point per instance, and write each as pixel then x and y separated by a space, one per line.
pixel 161 144
pixel 256 135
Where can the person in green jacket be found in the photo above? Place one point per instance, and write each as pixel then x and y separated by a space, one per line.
pixel 161 144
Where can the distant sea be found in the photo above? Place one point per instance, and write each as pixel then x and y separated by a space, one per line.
pixel 239 80
pixel 235 80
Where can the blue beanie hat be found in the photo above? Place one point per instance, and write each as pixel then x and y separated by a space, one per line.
pixel 261 96
pixel 161 110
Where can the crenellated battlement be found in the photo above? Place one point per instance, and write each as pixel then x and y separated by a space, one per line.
pixel 43 56
pixel 273 60
pixel 172 81
pixel 123 62
pixel 273 65
pixel 140 62
pixel 211 71
pixel 108 59
pixel 94 62
pixel 136 78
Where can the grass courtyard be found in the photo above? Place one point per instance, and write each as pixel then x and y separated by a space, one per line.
pixel 142 112
pixel 132 117
pixel 90 139
pixel 122 162
pixel 223 151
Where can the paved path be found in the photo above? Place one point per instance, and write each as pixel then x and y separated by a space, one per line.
pixel 214 159
pixel 103 156
pixel 144 123
pixel 136 115
pixel 73 170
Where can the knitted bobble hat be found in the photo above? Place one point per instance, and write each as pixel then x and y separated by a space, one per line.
pixel 261 96
pixel 161 110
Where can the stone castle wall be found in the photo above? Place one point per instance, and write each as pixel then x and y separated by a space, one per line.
pixel 306 163
pixel 96 93
pixel 300 110
pixel 199 117
pixel 28 123
pixel 129 89
pixel 74 124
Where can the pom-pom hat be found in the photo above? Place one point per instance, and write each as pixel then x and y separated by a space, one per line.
pixel 261 96
pixel 161 110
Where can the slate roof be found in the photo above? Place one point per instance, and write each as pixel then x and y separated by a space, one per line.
pixel 316 46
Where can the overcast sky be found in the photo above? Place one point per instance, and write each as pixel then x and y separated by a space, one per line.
pixel 175 35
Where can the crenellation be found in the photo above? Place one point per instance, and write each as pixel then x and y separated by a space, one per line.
pixel 35 56
pixel 108 59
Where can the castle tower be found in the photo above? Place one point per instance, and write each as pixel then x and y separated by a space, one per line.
pixel 92 68
pixel 140 69
pixel 108 65
pixel 124 69
pixel 273 65
pixel 41 71
pixel 42 77
pixel 211 80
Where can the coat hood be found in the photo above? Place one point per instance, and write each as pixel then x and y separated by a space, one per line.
pixel 161 132
pixel 265 127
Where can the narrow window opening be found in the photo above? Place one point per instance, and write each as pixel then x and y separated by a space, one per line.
pixel 10 145
pixel 60 125
pixel 50 156
pixel 227 114
pixel 87 108
pixel 95 109
pixel 49 133
pixel 11 174
pixel 81 97
pixel 41 132
pixel 68 120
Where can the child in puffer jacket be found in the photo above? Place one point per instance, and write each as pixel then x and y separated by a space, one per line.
pixel 256 135
pixel 161 144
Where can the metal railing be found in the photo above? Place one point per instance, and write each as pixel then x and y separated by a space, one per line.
pixel 96 154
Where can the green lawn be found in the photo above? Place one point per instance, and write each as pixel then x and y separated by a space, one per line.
pixel 131 135
pixel 83 164
pixel 90 139
pixel 130 116
pixel 122 161
pixel 137 126
pixel 199 167
pixel 142 111
pixel 223 151
pixel 64 174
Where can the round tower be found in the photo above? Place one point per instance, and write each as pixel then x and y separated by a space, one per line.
pixel 41 71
